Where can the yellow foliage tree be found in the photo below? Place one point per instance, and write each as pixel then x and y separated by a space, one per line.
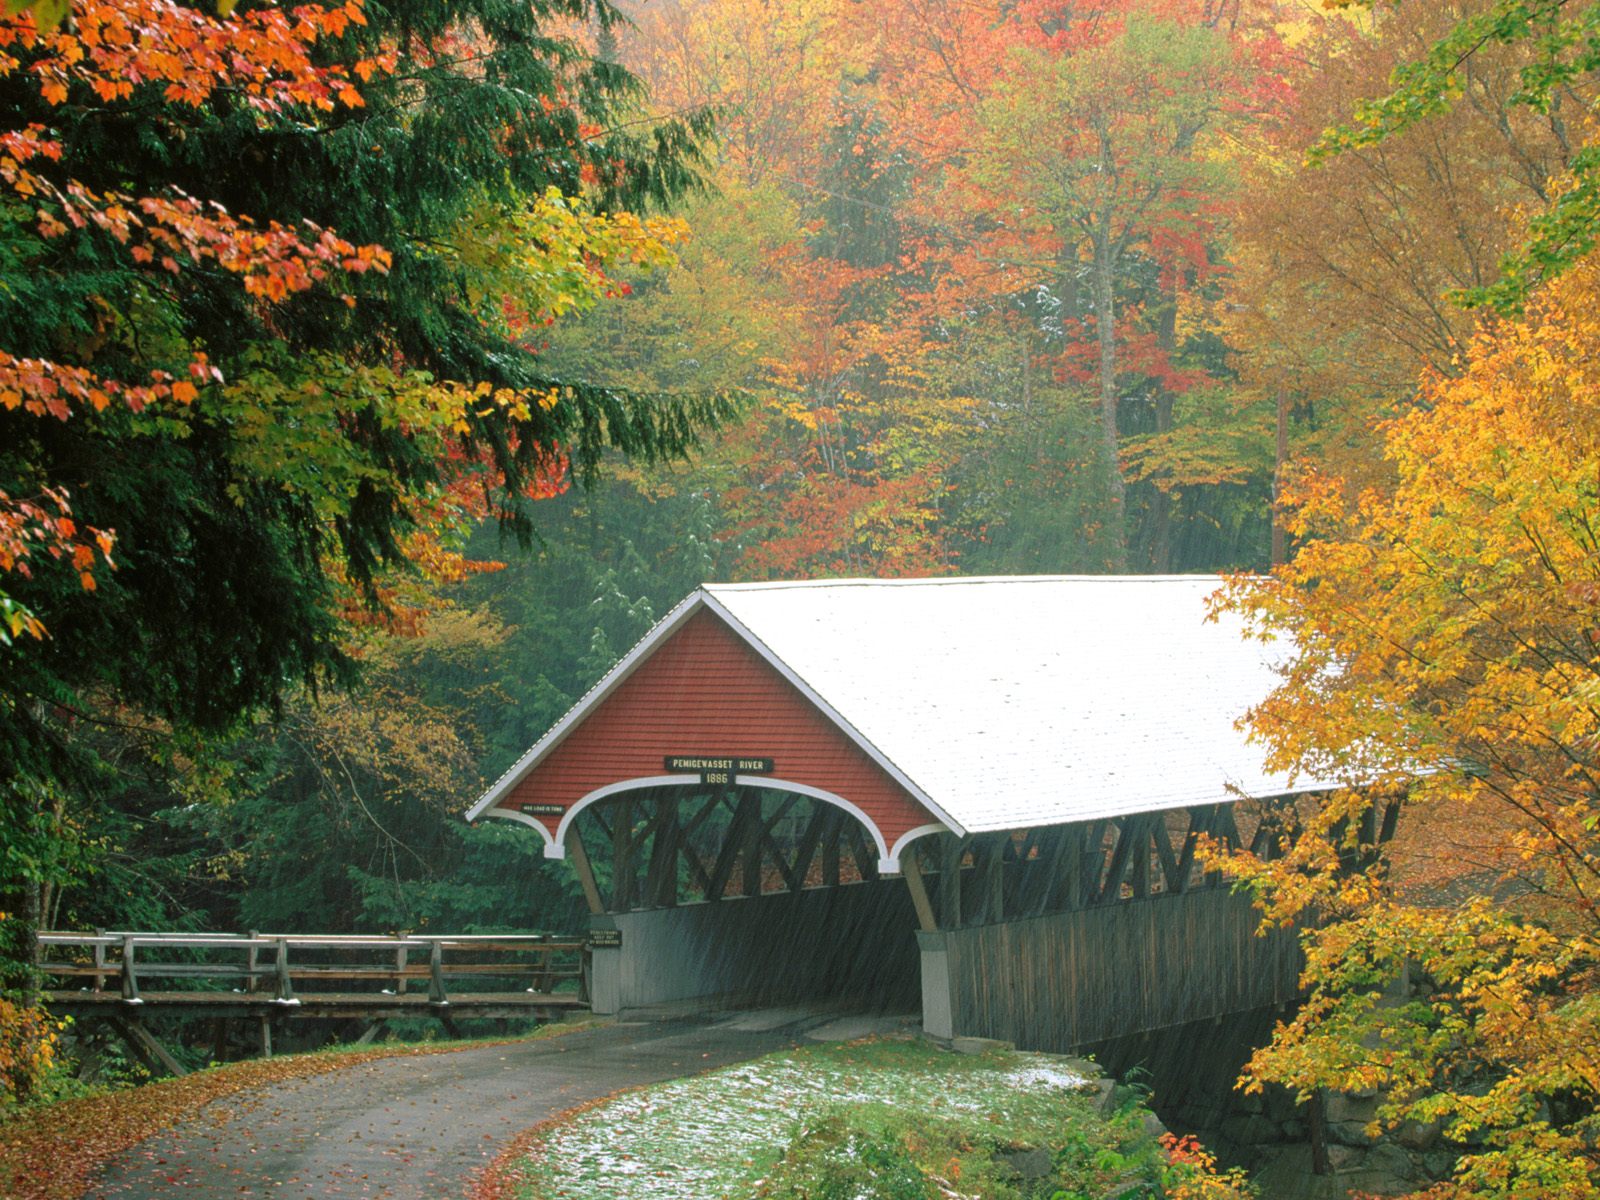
pixel 1449 628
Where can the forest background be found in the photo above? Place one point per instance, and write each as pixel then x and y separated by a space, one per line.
pixel 303 539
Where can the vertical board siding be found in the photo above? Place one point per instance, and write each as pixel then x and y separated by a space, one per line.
pixel 705 691
pixel 1062 981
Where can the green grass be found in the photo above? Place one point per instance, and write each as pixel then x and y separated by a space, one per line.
pixel 878 1120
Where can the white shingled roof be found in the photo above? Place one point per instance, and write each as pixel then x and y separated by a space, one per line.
pixel 1035 700
pixel 1004 703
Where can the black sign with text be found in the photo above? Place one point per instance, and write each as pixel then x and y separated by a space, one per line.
pixel 542 810
pixel 718 769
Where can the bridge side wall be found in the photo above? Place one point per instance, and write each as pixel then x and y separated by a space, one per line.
pixel 855 940
pixel 1060 982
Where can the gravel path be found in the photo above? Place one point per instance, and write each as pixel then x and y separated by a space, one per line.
pixel 404 1128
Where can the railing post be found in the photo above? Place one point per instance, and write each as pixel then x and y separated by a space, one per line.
pixel 543 982
pixel 400 968
pixel 285 988
pixel 436 992
pixel 251 962
pixel 99 962
pixel 130 980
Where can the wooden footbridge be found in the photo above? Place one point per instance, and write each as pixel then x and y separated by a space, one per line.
pixel 264 979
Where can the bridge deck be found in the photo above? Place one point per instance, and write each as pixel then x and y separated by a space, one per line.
pixel 314 1005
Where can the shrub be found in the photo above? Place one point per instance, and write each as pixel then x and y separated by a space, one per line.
pixel 836 1157
pixel 28 1042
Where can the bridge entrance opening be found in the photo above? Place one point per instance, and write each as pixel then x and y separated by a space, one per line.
pixel 740 894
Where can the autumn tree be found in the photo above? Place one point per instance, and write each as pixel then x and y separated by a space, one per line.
pixel 1556 59
pixel 1099 152
pixel 266 340
pixel 1447 652
pixel 1346 271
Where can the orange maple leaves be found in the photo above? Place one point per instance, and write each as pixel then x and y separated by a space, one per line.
pixel 45 522
pixel 112 51
pixel 45 388
pixel 264 56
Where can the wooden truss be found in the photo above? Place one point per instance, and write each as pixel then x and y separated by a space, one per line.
pixel 657 848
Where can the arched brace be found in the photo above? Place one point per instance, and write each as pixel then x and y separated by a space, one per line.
pixel 888 864
pixel 911 835
pixel 511 814
pixel 556 847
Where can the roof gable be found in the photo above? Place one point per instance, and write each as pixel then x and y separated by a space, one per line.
pixel 697 687
pixel 992 703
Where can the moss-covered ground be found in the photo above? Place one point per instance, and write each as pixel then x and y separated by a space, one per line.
pixel 878 1120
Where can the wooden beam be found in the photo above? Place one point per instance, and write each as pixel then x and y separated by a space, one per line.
pixel 1111 888
pixel 988 883
pixel 1138 829
pixel 912 870
pixel 130 975
pixel 1226 827
pixel 285 984
pixel 830 847
pixel 866 860
pixel 219 1039
pixel 1191 841
pixel 790 880
pixel 155 1057
pixel 702 877
pixel 953 849
pixel 1169 861
pixel 1391 820
pixel 436 992
pixel 370 1032
pixel 750 852
pixel 809 841
pixel 661 880
pixel 728 855
pixel 1057 865
pixel 1093 865
pixel 579 858
pixel 706 809
pixel 622 867
pixel 788 802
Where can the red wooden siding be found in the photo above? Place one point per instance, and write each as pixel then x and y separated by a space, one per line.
pixel 705 691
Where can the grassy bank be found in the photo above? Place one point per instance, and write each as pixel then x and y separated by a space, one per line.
pixel 878 1120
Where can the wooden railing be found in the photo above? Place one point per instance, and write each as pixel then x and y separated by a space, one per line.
pixel 281 968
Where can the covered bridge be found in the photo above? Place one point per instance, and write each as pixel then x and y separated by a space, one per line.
pixel 983 794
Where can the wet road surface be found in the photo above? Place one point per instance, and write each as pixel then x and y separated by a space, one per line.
pixel 422 1127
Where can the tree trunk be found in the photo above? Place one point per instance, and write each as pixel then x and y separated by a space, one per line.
pixel 1161 500
pixel 32 914
pixel 1280 458
pixel 1105 315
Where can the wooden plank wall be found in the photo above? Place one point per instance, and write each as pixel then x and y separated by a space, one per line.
pixel 1061 981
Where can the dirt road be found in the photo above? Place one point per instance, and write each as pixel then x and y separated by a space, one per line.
pixel 420 1127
